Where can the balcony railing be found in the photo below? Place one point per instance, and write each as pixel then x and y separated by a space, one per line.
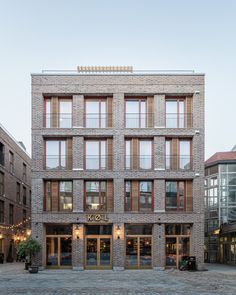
pixel 55 162
pixel 139 120
pixel 95 162
pixel 179 163
pixel 60 120
pixel 179 120
pixel 98 120
pixel 142 162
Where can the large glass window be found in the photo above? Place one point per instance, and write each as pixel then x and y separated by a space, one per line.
pixel 96 157
pixel 96 195
pixel 65 195
pixel 175 195
pixel 48 199
pixel 96 114
pixel 136 113
pixel 65 111
pixel 11 161
pixel 128 154
pixel 175 113
pixel 55 154
pixel 145 192
pixel 145 154
pixel 184 154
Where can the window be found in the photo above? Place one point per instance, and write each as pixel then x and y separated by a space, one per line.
pixel 55 154
pixel 1 184
pixel 1 211
pixel 98 154
pixel 98 112
pixel 58 112
pixel 11 214
pixel 138 196
pixel 138 153
pixel 24 195
pixel 96 195
pixel 11 161
pixel 24 216
pixel 135 113
pixel 178 154
pixel 58 196
pixel 1 154
pixel 18 192
pixel 175 195
pixel 179 112
pixel 24 172
pixel 65 195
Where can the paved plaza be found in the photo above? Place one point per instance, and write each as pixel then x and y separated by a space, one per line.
pixel 218 280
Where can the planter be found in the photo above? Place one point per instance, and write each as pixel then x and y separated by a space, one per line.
pixel 33 269
pixel 27 265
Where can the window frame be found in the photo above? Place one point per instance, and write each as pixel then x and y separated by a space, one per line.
pixel 99 193
pixel 2 183
pixel 24 174
pixel 18 192
pixel 177 99
pixel 99 154
pixel 11 214
pixel 2 211
pixel 11 162
pixel 59 196
pixel 178 196
pixel 98 99
pixel 139 99
pixel 60 140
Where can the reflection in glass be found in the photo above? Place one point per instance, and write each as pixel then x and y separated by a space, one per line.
pixel 135 116
pixel 128 154
pixel 171 251
pixel 95 114
pixel 65 108
pixel 66 251
pixel 132 251
pixel 105 251
pixel 52 251
pixel 65 195
pixel 145 251
pixel 184 154
pixel 168 154
pixel 145 188
pixel 95 195
pixel 91 258
pixel 145 154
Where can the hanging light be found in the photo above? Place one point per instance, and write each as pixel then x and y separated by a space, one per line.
pixel 118 231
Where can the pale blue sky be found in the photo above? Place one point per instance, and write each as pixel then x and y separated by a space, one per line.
pixel 148 34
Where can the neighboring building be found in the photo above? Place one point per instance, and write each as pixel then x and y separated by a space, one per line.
pixel 220 206
pixel 118 168
pixel 15 194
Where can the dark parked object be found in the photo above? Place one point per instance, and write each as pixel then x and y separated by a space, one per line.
pixel 192 263
pixel 33 269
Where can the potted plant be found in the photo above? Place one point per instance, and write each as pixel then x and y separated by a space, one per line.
pixel 29 249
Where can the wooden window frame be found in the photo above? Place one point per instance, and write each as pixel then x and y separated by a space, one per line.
pixel 178 196
pixel 139 99
pixel 177 99
pixel 99 154
pixel 98 99
pixel 99 194
pixel 59 155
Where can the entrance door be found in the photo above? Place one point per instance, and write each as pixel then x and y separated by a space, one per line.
pixel 176 248
pixel 98 252
pixel 138 252
pixel 59 251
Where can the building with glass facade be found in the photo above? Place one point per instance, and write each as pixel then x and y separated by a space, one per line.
pixel 118 168
pixel 220 208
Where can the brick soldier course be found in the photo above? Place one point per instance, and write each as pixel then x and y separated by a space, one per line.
pixel 118 86
pixel 15 192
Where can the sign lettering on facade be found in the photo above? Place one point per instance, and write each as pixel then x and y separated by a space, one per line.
pixel 97 218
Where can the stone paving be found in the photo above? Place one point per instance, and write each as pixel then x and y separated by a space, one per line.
pixel 218 280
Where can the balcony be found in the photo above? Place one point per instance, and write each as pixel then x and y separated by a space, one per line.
pixel 95 162
pixel 97 120
pixel 55 162
pixel 62 120
pixel 139 120
pixel 179 120
pixel 179 163
pixel 139 162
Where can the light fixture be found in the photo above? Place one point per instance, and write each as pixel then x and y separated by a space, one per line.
pixel 1 236
pixel 28 232
pixel 118 231
pixel 77 232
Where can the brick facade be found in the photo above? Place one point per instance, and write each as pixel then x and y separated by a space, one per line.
pixel 118 86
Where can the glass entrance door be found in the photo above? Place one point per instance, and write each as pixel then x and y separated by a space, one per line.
pixel 176 249
pixel 59 251
pixel 138 252
pixel 98 252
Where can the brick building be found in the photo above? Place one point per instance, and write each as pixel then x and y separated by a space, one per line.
pixel 15 194
pixel 118 168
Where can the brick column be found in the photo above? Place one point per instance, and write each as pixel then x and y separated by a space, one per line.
pixel 159 246
pixel 78 111
pixel 37 110
pixel 78 153
pixel 159 110
pixel 159 195
pixel 37 195
pixel 38 232
pixel 118 248
pixel 78 248
pixel 197 242
pixel 159 153
pixel 78 195
pixel 119 195
pixel 37 152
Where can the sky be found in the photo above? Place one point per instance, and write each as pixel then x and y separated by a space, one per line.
pixel 147 34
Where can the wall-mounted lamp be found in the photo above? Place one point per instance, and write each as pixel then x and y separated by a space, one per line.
pixel 1 236
pixel 28 232
pixel 77 232
pixel 197 92
pixel 118 231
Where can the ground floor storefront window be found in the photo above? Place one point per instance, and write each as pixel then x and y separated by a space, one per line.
pixel 228 249
pixel 177 243
pixel 138 246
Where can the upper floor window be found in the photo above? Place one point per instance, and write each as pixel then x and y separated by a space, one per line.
pixel 98 112
pixel 179 195
pixel 18 192
pixel 24 195
pixel 139 112
pixel 1 154
pixel 178 154
pixel 24 178
pixel 98 154
pixel 58 154
pixel 11 214
pixel 1 184
pixel 11 161
pixel 179 112
pixel 99 195
pixel 58 196
pixel 138 195
pixel 138 153
pixel 58 112
pixel 1 211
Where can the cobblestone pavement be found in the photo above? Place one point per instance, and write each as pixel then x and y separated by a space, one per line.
pixel 218 280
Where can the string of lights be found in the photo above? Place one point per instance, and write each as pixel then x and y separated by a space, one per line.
pixel 14 226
